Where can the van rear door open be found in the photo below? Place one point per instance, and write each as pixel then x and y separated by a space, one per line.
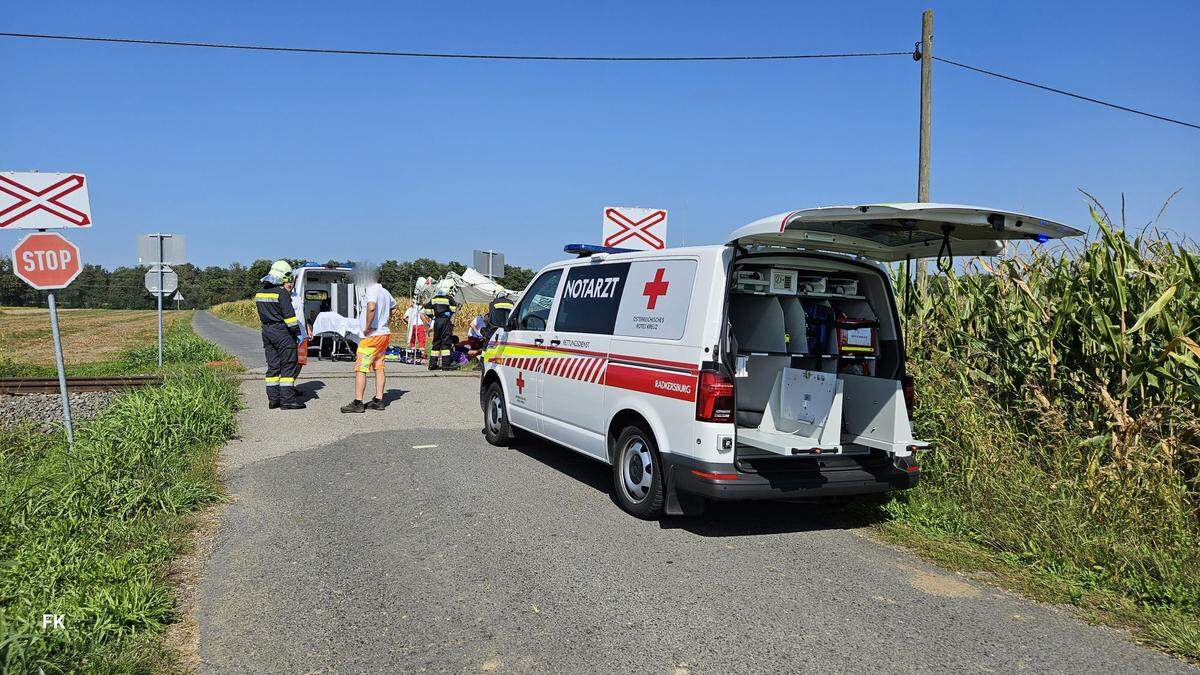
pixel 892 232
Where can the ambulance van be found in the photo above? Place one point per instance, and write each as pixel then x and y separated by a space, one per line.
pixel 771 367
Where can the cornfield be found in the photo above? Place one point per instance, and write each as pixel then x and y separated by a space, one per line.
pixel 1062 392
pixel 243 312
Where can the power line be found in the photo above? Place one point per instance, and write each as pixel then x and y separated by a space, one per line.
pixel 551 57
pixel 1066 93
pixel 446 55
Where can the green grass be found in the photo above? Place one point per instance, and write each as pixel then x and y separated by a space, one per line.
pixel 88 532
pixel 1061 392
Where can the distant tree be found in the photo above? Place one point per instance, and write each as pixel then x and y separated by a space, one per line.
pixel 515 278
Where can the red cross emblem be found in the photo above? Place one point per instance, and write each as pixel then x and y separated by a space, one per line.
pixel 630 228
pixel 520 383
pixel 47 199
pixel 656 288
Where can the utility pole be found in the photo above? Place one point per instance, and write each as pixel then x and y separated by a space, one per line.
pixel 926 105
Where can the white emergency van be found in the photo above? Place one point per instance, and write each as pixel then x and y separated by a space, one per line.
pixel 771 367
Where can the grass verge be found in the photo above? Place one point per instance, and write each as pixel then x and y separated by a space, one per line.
pixel 87 533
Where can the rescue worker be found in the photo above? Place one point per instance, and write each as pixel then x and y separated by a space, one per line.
pixel 441 308
pixel 497 316
pixel 280 335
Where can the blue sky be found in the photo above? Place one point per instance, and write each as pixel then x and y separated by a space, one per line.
pixel 256 155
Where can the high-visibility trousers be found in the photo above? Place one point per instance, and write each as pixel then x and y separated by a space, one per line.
pixel 280 347
pixel 443 338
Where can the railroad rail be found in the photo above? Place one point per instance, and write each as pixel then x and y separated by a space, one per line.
pixel 49 385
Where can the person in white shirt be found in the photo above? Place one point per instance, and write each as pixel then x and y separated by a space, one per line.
pixel 416 325
pixel 375 312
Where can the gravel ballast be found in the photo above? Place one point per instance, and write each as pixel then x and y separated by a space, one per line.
pixel 44 411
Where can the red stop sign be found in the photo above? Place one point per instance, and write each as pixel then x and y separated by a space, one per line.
pixel 46 261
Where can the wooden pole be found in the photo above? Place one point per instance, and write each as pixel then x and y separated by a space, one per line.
pixel 926 105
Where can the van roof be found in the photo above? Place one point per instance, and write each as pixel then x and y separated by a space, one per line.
pixel 638 255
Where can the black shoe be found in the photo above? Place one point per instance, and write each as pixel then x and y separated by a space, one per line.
pixel 433 365
pixel 271 405
pixel 374 404
pixel 292 405
pixel 355 406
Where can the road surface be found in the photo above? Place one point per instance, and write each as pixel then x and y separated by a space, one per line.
pixel 400 541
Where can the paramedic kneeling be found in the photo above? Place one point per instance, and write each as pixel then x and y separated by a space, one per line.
pixel 374 314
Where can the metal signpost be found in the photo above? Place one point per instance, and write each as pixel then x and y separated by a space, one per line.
pixel 159 250
pixel 47 261
pixel 178 299
pixel 489 263
pixel 635 227
pixel 32 200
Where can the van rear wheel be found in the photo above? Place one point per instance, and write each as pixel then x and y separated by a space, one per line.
pixel 496 428
pixel 638 481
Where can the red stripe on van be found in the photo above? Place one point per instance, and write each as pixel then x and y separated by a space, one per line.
pixel 658 382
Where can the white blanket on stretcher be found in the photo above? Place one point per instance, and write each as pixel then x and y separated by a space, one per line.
pixel 332 322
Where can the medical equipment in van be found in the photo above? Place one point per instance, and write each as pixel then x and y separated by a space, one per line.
pixel 750 281
pixel 841 286
pixel 783 282
pixel 810 284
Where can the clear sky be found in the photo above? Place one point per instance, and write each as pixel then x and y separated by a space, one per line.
pixel 255 155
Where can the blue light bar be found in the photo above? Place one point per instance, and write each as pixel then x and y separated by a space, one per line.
pixel 583 250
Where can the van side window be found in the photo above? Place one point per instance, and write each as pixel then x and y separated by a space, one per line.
pixel 534 310
pixel 590 298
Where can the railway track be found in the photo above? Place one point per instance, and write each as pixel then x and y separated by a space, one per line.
pixel 49 385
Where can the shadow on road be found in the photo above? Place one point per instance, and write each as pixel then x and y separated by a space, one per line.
pixel 391 395
pixel 720 519
pixel 307 391
pixel 742 519
pixel 586 471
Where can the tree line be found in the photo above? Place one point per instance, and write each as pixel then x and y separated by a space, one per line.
pixel 123 287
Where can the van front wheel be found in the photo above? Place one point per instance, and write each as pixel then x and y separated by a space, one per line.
pixel 638 481
pixel 496 428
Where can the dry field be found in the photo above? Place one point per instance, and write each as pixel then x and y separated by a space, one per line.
pixel 89 335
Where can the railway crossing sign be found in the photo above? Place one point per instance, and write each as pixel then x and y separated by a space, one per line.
pixel 635 227
pixel 46 261
pixel 43 201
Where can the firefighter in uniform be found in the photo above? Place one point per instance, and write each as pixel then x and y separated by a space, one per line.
pixel 498 311
pixel 441 307
pixel 280 336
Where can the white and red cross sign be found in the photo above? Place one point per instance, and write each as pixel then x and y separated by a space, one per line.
pixel 43 201
pixel 636 228
pixel 655 287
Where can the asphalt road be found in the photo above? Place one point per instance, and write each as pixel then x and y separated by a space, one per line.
pixel 399 541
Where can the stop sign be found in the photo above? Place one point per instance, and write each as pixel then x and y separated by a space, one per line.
pixel 46 261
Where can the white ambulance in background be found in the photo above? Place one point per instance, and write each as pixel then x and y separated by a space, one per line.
pixel 771 367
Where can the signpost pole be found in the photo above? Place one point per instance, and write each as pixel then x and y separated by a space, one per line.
pixel 159 296
pixel 62 371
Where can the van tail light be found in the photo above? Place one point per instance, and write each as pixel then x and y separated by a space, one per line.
pixel 714 397
pixel 910 393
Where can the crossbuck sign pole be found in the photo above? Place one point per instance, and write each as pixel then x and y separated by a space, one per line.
pixel 62 371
